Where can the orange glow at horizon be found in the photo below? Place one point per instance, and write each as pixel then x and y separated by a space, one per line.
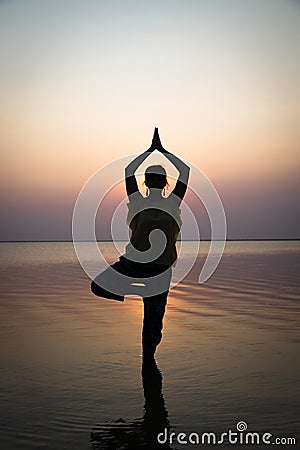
pixel 220 84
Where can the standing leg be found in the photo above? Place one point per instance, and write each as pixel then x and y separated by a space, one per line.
pixel 154 310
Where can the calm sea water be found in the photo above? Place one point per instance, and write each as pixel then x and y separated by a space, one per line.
pixel 71 370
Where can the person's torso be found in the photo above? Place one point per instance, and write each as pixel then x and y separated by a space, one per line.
pixel 155 217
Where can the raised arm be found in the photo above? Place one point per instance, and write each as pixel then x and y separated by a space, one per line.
pixel 184 170
pixel 130 180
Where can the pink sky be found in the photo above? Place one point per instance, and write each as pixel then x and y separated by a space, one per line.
pixel 81 87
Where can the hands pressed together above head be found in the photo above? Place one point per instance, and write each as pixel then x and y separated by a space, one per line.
pixel 156 143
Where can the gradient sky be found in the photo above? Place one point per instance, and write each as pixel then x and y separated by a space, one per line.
pixel 84 82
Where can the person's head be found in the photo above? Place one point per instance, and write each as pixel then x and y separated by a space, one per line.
pixel 156 177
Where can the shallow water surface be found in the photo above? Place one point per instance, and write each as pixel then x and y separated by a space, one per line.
pixel 71 370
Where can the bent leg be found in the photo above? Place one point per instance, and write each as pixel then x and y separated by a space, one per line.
pixel 107 283
pixel 101 292
pixel 154 310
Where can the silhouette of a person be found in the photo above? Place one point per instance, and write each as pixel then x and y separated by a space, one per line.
pixel 155 223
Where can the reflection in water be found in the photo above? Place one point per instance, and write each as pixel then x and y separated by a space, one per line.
pixel 140 433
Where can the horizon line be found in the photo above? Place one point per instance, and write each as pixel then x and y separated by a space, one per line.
pixel 179 240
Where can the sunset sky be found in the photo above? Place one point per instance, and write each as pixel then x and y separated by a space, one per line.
pixel 84 82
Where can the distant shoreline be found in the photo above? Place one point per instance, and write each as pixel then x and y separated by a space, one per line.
pixel 185 240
